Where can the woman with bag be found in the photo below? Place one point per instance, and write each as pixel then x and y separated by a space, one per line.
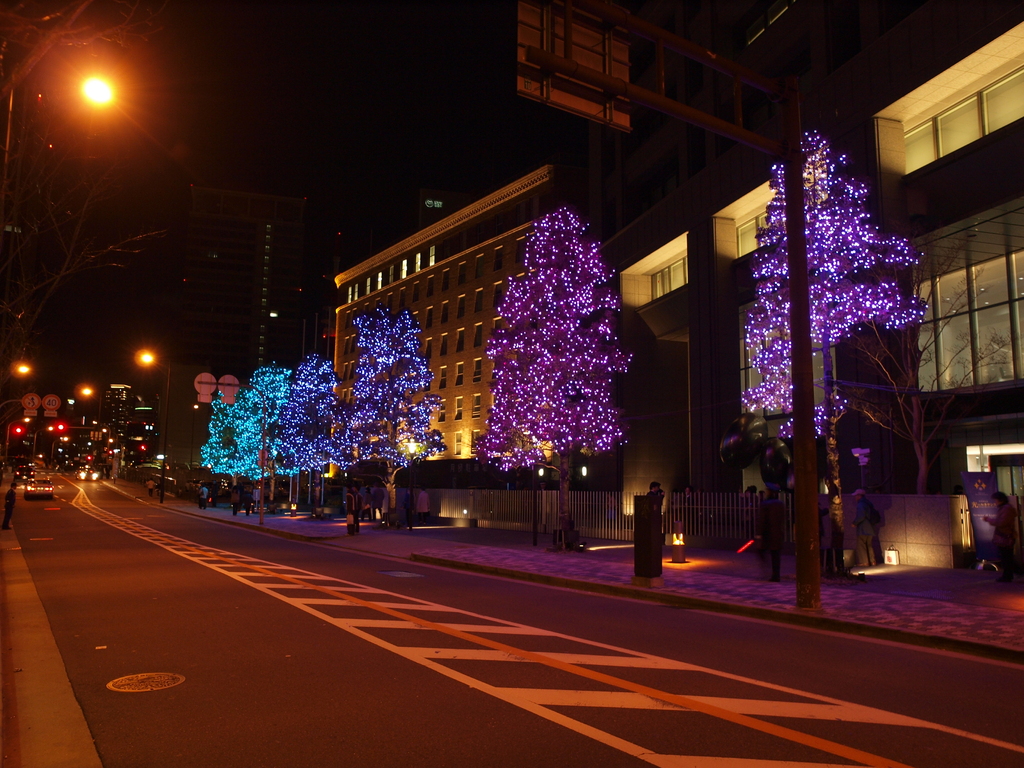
pixel 1005 535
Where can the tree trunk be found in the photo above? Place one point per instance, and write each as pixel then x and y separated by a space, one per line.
pixel 563 484
pixel 833 483
pixel 920 443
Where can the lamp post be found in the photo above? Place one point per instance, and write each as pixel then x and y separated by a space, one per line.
pixel 148 359
pixel 412 448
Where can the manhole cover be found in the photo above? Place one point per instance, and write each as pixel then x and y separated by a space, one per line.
pixel 402 574
pixel 147 681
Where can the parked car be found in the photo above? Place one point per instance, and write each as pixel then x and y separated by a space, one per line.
pixel 38 489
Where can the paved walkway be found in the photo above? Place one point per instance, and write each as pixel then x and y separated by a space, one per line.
pixel 957 609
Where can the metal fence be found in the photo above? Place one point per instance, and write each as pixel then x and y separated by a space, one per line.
pixel 604 515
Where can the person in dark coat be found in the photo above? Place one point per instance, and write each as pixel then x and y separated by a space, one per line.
pixel 9 506
pixel 1004 537
pixel 771 530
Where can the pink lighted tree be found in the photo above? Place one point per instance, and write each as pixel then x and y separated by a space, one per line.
pixel 852 282
pixel 556 357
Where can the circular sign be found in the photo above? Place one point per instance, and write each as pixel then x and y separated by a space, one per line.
pixel 205 385
pixel 31 401
pixel 51 402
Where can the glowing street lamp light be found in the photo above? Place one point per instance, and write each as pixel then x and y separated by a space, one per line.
pixel 148 359
pixel 97 91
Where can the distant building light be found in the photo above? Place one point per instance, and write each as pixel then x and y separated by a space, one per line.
pixel 434 203
pixel 273 314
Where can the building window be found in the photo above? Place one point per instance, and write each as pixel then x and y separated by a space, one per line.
pixel 458 436
pixel 349 295
pixel 431 256
pixel 380 280
pixel 442 379
pixel 430 286
pixel 460 310
pixel 478 300
pixel 478 370
pixel 459 370
pixel 983 113
pixel 460 340
pixel 518 250
pixel 478 270
pixel 498 323
pixel 444 344
pixel 668 279
pixel 498 253
pixel 478 334
pixel 369 284
pixel 401 299
pixel 476 406
pixel 391 297
pixel 428 348
pixel 444 311
pixel 430 317
pixel 475 441
pixel 445 279
pixel 458 409
pixel 498 292
pixel 746 234
pixel 462 272
pixel 416 291
pixel 419 257
pixel 441 412
pixel 405 268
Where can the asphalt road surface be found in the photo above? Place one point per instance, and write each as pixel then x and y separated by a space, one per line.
pixel 297 654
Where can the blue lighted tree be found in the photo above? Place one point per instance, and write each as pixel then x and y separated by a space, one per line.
pixel 220 452
pixel 308 419
pixel 851 283
pixel 556 359
pixel 388 424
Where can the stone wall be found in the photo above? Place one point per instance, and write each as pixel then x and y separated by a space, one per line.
pixel 925 530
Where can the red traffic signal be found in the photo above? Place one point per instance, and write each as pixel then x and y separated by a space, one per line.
pixel 17 429
pixel 60 426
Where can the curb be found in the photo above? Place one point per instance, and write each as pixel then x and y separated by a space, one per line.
pixel 800 619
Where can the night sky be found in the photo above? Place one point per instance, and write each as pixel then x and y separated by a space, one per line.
pixel 354 106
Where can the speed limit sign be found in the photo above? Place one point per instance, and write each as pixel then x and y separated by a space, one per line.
pixel 50 405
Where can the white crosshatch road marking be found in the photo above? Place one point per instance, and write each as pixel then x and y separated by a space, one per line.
pixel 283 582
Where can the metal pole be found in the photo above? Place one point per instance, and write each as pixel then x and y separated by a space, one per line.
pixel 533 487
pixel 166 408
pixel 805 509
pixel 410 503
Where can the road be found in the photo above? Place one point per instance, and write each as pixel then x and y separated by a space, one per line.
pixel 299 654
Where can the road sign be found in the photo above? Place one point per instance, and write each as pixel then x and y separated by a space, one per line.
pixel 586 40
pixel 30 403
pixel 205 385
pixel 50 404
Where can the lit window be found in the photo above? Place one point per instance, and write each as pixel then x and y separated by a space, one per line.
pixel 459 370
pixel 478 370
pixel 405 267
pixel 431 256
pixel 668 279
pixel 273 313
pixel 380 280
pixel 476 406
pixel 458 439
pixel 441 412
pixel 746 234
pixel 419 257
pixel 442 379
pixel 266 248
pixel 458 409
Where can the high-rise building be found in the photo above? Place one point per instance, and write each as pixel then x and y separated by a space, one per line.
pixel 118 408
pixel 452 276
pixel 241 300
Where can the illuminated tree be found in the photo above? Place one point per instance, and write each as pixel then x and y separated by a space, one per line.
pixel 239 432
pixel 386 424
pixel 309 416
pixel 851 283
pixel 556 358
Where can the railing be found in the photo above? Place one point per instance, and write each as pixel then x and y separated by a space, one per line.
pixel 601 514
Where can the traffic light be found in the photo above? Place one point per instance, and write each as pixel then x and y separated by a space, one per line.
pixel 60 426
pixel 17 430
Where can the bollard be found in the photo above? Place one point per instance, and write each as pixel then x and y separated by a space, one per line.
pixel 678 544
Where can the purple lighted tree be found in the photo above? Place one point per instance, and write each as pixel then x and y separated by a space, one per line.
pixel 556 357
pixel 848 287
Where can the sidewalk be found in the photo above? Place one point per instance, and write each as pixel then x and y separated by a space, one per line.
pixel 954 609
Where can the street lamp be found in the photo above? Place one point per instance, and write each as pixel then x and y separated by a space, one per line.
pixel 97 91
pixel 413 449
pixel 147 359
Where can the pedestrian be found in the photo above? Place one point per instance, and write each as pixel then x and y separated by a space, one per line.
pixel 353 504
pixel 150 486
pixel 247 498
pixel 1004 537
pixel 866 524
pixel 366 503
pixel 771 530
pixel 423 506
pixel 377 498
pixel 656 497
pixel 9 506
pixel 204 493
pixel 236 498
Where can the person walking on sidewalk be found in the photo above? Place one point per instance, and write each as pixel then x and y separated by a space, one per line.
pixel 1004 537
pixel 236 497
pixel 771 530
pixel 423 506
pixel 203 494
pixel 151 486
pixel 9 505
pixel 866 523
